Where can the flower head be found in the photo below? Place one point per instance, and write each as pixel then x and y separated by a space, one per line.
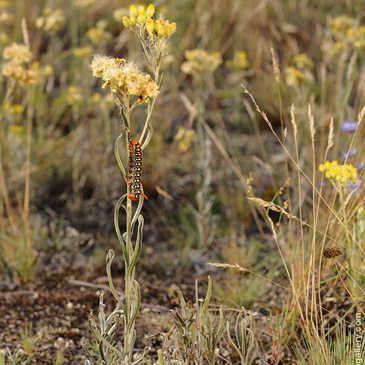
pixel 348 126
pixel 157 31
pixel 17 53
pixel 82 51
pixel 360 165
pixel 74 95
pixel 340 174
pixel 51 22
pixel 201 62
pixel 239 61
pixel 350 153
pixel 352 187
pixel 98 36
pixel 341 25
pixel 185 137
pixel 138 17
pixel 18 66
pixel 303 62
pixel 124 78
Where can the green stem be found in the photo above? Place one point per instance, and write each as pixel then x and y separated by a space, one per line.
pixel 128 276
pixel 117 156
pixel 117 229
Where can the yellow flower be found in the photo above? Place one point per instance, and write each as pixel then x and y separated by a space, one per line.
pixel 296 77
pixel 201 62
pixel 359 38
pixel 150 11
pixel 126 22
pixel 82 51
pixel 239 61
pixel 342 174
pixel 143 19
pixel 96 98
pixel 302 62
pixel 133 15
pixel 152 89
pixel 150 27
pixel 14 109
pixel 98 36
pixel 51 21
pixel 341 25
pixel 185 137
pixel 124 78
pixel 47 70
pixel 74 95
pixel 142 16
pixel 17 53
pixel 159 28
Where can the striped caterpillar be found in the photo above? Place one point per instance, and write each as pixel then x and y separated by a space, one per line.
pixel 134 167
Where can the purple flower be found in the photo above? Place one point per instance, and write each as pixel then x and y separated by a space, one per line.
pixel 360 165
pixel 348 126
pixel 349 153
pixel 356 188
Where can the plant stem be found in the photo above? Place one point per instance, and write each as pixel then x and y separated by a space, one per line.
pixel 27 171
pixel 128 276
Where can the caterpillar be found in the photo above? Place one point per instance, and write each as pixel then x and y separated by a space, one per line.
pixel 134 167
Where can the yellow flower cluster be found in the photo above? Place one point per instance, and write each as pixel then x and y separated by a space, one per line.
pixel 82 52
pixel 200 62
pixel 124 78
pixel 345 31
pixel 341 25
pixel 142 18
pixel 14 108
pixel 17 53
pixel 239 61
pixel 342 174
pixel 357 37
pixel 185 137
pixel 303 62
pixel 17 57
pixel 51 21
pixel 99 36
pixel 74 95
pixel 301 74
pixel 333 49
pixel 160 28
pixel 138 17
